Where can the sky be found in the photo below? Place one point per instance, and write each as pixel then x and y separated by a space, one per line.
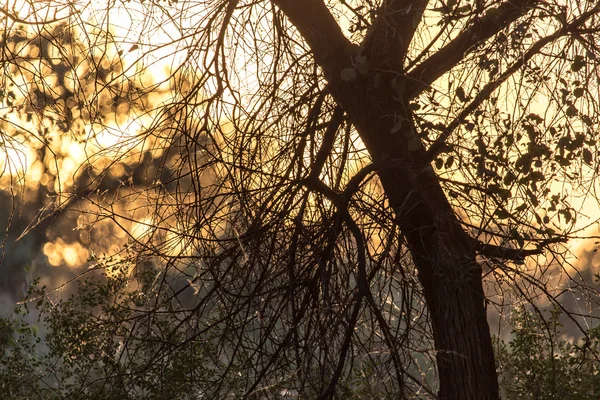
pixel 155 42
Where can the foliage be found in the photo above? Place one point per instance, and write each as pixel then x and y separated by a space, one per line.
pixel 82 354
pixel 540 362
pixel 106 342
pixel 282 212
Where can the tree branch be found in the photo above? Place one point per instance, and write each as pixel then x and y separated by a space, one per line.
pixel 328 141
pixel 504 253
pixel 387 41
pixel 450 55
pixel 488 89
pixel 485 93
pixel 320 30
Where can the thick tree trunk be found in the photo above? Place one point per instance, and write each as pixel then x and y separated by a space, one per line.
pixel 441 250
pixel 377 103
pixel 464 353
pixel 452 283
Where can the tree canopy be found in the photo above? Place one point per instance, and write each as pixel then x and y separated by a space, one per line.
pixel 301 199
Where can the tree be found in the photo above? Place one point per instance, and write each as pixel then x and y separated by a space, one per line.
pixel 346 186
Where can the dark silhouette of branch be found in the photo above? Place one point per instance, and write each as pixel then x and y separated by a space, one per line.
pixel 497 19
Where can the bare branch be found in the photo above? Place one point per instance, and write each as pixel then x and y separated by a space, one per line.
pixel 322 33
pixel 46 21
pixel 446 58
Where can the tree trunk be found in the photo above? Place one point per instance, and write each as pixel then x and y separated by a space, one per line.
pixel 445 259
pixel 441 250
pixel 452 283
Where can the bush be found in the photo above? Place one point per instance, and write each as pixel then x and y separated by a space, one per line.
pixel 540 362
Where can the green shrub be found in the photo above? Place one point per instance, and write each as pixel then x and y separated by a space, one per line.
pixel 540 362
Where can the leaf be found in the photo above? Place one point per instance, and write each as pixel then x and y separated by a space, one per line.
pixel 587 120
pixel 533 198
pixel 348 74
pixel 566 214
pixel 589 54
pixel 535 118
pixel 578 63
pixel 571 111
pixel 563 161
pixel 523 164
pixel 520 241
pixel 449 162
pixel 460 93
pixel 500 191
pixel 439 163
pixel 587 156
pixel 578 92
pixel 397 126
pixel 564 93
pixel 509 178
pixel 414 144
pixel 363 67
pixel 502 213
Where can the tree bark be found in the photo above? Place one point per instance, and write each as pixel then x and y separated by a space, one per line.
pixel 452 284
pixel 442 251
pixel 444 256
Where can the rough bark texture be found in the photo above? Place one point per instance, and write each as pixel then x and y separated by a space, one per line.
pixel 442 253
pixel 377 102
